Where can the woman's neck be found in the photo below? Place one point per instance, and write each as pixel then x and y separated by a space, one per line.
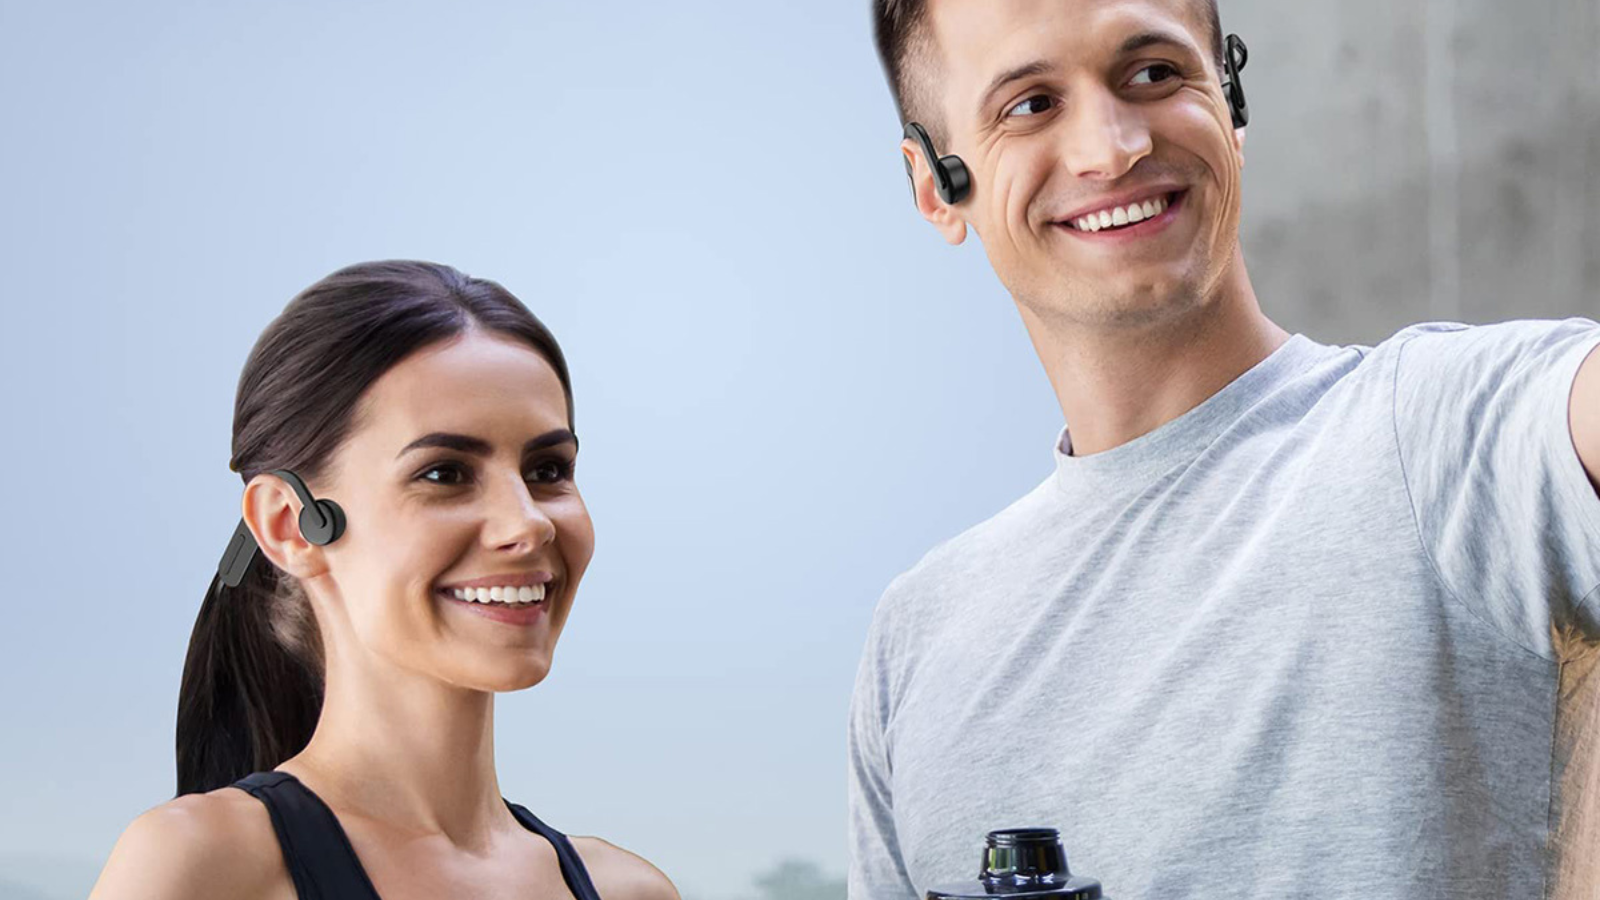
pixel 406 751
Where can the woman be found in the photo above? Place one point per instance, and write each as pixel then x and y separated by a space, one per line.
pixel 405 437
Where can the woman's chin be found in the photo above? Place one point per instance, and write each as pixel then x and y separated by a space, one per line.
pixel 522 678
pixel 503 678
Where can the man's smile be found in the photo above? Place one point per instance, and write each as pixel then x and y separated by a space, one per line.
pixel 1129 222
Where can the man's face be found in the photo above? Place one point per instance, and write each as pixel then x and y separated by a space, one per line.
pixel 1056 118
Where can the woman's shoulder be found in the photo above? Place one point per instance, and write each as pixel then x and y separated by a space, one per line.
pixel 219 843
pixel 620 875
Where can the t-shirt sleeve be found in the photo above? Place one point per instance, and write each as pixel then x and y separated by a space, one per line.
pixel 1502 502
pixel 877 870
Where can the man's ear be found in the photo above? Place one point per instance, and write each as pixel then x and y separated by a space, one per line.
pixel 272 510
pixel 942 215
pixel 1238 145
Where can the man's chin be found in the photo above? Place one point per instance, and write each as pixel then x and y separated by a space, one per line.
pixel 1110 306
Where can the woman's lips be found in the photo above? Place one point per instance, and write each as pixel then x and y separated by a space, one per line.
pixel 499 612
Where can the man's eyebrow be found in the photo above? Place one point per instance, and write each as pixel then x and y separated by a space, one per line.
pixel 1026 70
pixel 1132 44
pixel 476 446
pixel 1144 39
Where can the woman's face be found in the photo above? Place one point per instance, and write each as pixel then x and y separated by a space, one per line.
pixel 459 472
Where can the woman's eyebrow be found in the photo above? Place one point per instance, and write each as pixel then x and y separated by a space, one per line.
pixel 476 446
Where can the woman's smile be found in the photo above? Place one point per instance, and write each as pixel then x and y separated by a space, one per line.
pixel 516 612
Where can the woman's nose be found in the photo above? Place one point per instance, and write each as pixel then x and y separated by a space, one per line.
pixel 515 517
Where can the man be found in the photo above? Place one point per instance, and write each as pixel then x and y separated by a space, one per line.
pixel 1286 619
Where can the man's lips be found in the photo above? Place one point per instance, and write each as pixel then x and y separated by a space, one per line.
pixel 1135 231
pixel 1116 201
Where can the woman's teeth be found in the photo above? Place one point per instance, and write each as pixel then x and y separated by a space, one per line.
pixel 1122 215
pixel 501 594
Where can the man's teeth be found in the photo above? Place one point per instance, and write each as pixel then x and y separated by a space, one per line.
pixel 500 594
pixel 1122 215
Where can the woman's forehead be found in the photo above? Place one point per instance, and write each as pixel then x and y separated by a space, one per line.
pixel 476 380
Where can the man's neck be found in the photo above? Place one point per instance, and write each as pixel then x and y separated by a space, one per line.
pixel 1116 384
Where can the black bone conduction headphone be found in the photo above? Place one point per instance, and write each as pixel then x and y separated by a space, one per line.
pixel 321 523
pixel 950 175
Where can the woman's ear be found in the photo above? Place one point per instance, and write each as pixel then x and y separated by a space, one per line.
pixel 940 214
pixel 272 510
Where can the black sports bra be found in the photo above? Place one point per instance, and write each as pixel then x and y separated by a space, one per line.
pixel 324 865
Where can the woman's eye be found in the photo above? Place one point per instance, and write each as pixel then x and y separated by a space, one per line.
pixel 545 472
pixel 1153 67
pixel 1032 106
pixel 456 473
pixel 550 471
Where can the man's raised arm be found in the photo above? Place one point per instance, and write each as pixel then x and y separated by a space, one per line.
pixel 1584 416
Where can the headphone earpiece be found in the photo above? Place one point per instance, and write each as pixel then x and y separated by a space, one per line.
pixel 1236 55
pixel 950 176
pixel 321 522
pixel 958 182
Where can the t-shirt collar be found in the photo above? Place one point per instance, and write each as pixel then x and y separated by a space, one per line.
pixel 1134 465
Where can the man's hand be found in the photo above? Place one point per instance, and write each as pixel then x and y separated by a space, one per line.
pixel 1584 416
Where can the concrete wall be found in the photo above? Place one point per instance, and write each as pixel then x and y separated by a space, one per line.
pixel 1420 160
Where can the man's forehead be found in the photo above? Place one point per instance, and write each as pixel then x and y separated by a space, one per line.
pixel 978 39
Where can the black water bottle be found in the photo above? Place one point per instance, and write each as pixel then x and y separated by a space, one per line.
pixel 1021 864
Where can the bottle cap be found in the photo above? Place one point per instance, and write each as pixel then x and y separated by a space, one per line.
pixel 1022 864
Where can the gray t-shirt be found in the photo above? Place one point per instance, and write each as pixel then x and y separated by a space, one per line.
pixel 1333 633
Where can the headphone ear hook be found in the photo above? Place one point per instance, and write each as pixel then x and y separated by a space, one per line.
pixel 949 172
pixel 1235 56
pixel 321 522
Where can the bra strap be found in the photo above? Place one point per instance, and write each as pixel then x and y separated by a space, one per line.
pixel 572 868
pixel 316 849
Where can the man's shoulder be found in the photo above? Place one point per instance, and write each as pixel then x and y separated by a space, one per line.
pixel 1447 343
pixel 1451 366
pixel 975 547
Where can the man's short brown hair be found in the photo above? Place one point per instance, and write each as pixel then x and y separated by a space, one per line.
pixel 905 43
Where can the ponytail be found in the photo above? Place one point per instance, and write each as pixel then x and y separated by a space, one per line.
pixel 247 702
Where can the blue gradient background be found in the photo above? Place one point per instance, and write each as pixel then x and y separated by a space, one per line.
pixel 788 387
pixel 705 204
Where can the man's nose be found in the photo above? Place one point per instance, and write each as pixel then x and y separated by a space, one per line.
pixel 1103 137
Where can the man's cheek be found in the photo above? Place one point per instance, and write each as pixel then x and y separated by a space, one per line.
pixel 1008 210
pixel 1203 95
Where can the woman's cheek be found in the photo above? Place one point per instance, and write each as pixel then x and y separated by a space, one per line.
pixel 575 532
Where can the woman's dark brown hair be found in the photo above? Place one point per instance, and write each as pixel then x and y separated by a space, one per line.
pixel 252 681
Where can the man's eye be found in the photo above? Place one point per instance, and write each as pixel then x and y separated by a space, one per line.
pixel 1032 106
pixel 1150 68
